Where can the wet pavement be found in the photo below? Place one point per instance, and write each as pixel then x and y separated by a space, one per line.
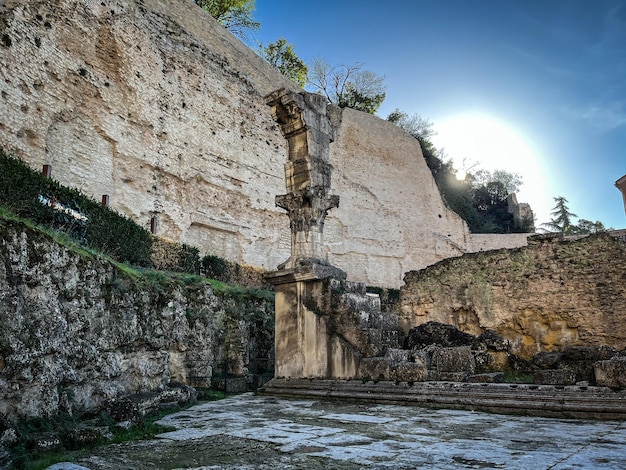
pixel 263 432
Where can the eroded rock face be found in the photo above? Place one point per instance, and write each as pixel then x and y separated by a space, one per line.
pixel 433 333
pixel 541 298
pixel 77 332
pixel 156 105
pixel 611 373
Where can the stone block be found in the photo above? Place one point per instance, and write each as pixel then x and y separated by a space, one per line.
pixel 364 319
pixel 357 288
pixel 432 375
pixel 437 333
pixel 491 340
pixel 87 436
pixel 375 368
pixel 491 361
pixel 373 301
pixel 492 377
pixel 45 442
pixel 453 376
pixel 580 359
pixel 546 360
pixel 421 357
pixel 588 353
pixel 611 373
pixel 396 356
pixel 389 321
pixel 458 359
pixel 555 377
pixel 376 320
pixel 390 339
pixel 408 372
pixel 375 338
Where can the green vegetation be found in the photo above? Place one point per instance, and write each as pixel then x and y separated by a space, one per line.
pixel 280 54
pixel 29 195
pixel 234 15
pixel 348 86
pixel 25 456
pixel 518 377
pixel 480 198
pixel 561 221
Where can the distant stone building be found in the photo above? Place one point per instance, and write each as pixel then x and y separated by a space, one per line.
pixel 522 213
pixel 621 185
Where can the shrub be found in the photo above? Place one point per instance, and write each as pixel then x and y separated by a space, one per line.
pixel 172 256
pixel 32 196
pixel 220 269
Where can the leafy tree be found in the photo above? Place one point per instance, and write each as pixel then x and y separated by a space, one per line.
pixel 348 86
pixel 234 15
pixel 414 124
pixel 561 217
pixel 509 181
pixel 281 55
pixel 562 221
pixel 481 197
pixel 585 226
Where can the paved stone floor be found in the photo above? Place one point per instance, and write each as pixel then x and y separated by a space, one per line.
pixel 250 432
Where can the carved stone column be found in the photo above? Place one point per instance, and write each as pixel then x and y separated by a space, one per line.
pixel 305 125
pixel 306 345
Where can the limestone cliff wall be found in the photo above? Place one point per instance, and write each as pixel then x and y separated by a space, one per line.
pixel 145 102
pixel 542 297
pixel 156 105
pixel 391 217
pixel 73 326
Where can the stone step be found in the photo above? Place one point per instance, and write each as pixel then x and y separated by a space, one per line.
pixel 521 399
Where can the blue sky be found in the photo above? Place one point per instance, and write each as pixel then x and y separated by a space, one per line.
pixel 532 86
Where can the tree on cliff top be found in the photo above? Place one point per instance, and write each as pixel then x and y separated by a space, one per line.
pixel 414 124
pixel 348 86
pixel 562 221
pixel 234 15
pixel 561 217
pixel 480 198
pixel 281 55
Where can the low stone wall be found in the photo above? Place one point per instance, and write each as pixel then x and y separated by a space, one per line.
pixel 496 241
pixel 76 330
pixel 543 297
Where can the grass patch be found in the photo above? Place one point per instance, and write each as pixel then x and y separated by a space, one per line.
pixel 25 457
pixel 47 202
pixel 518 377
pixel 237 291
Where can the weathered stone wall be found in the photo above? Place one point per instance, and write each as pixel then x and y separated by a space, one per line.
pixel 74 326
pixel 140 101
pixel 391 217
pixel 496 241
pixel 156 105
pixel 542 297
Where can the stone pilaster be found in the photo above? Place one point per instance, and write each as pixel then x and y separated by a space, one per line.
pixel 304 341
pixel 307 128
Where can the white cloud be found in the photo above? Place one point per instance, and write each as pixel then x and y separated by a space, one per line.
pixel 603 117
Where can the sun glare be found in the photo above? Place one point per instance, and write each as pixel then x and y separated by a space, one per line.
pixel 478 141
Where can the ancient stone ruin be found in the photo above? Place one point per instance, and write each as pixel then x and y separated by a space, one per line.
pixel 189 128
pixel 327 328
pixel 164 113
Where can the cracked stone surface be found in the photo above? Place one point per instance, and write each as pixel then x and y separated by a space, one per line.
pixel 248 431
